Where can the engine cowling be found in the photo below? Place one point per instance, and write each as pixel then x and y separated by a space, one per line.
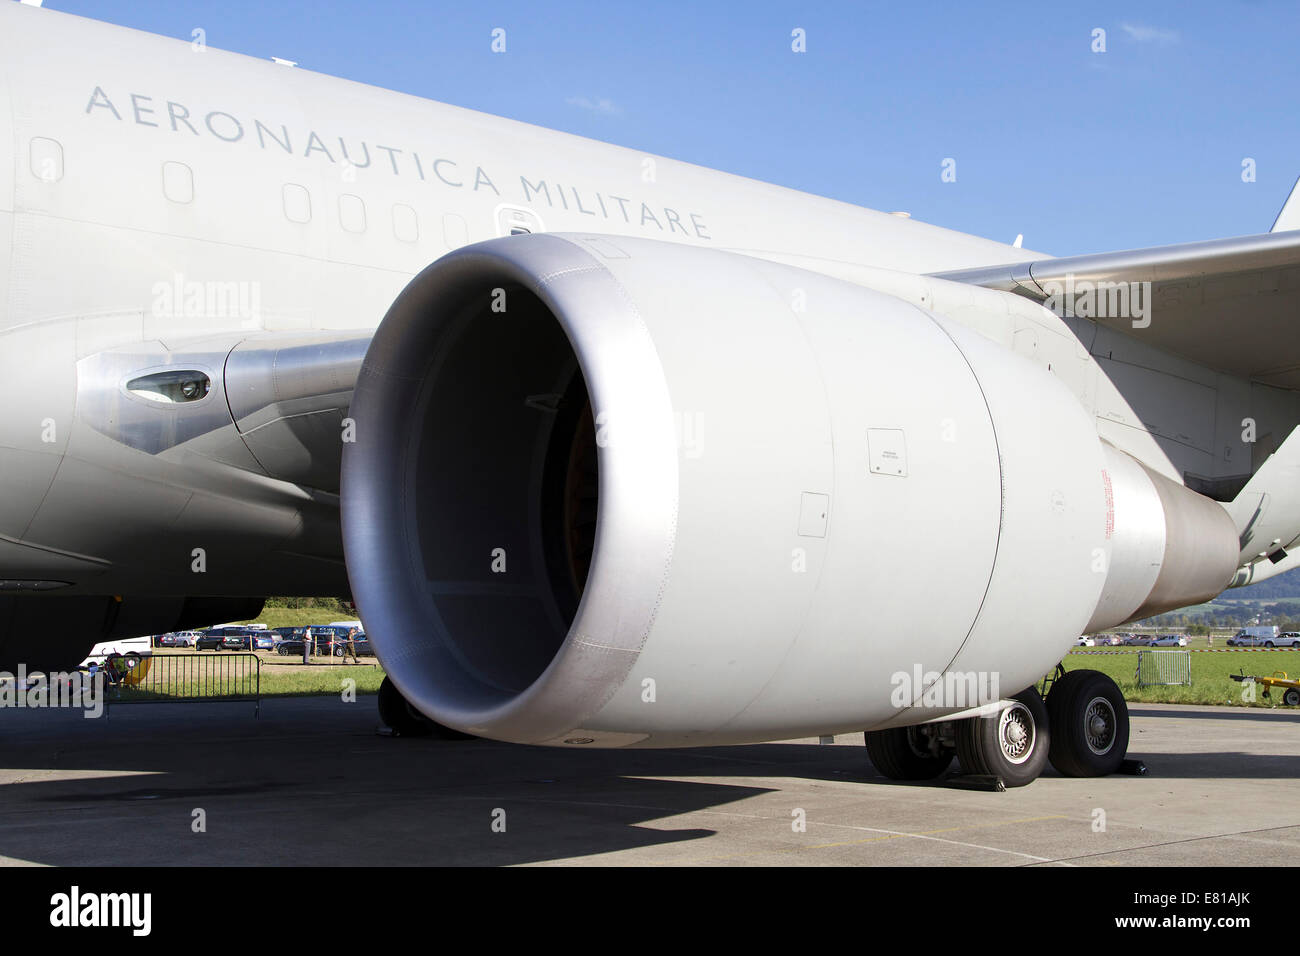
pixel 623 492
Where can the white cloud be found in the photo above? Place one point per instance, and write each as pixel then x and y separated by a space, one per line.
pixel 600 104
pixel 1145 34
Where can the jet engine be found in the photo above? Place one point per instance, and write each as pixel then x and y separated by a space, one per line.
pixel 621 492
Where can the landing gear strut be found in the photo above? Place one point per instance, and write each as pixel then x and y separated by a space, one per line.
pixel 406 721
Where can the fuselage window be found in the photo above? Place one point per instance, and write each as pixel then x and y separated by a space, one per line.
pixel 406 226
pixel 47 159
pixel 178 182
pixel 352 213
pixel 297 203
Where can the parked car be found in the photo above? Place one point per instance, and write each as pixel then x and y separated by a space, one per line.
pixel 1086 641
pixel 1138 640
pixel 1289 639
pixel 281 634
pixel 1256 636
pixel 1169 640
pixel 228 638
pixel 360 642
pixel 1251 640
pixel 207 641
pixel 291 639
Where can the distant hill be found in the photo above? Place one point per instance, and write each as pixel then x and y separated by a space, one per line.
pixel 1283 586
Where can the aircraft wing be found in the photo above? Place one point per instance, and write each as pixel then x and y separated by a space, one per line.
pixel 1229 304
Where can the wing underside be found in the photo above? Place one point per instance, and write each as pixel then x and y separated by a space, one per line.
pixel 1232 305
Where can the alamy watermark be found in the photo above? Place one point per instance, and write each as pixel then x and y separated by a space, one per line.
pixel 949 690
pixel 190 299
pixel 1086 299
pixel 60 689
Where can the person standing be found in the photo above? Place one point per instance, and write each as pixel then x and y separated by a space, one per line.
pixel 306 646
pixel 350 649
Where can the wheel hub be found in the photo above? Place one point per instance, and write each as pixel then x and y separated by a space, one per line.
pixel 1016 733
pixel 1099 724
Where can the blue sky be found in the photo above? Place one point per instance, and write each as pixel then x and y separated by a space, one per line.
pixel 1080 151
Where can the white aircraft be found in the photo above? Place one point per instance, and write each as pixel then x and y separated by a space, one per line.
pixel 610 450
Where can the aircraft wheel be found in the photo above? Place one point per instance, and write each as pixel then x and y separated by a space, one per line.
pixel 903 753
pixel 1090 725
pixel 1011 744
pixel 1291 697
pixel 406 720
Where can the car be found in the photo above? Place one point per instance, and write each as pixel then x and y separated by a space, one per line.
pixel 1086 641
pixel 176 639
pixel 208 641
pixel 291 640
pixel 281 634
pixel 1169 640
pixel 226 638
pixel 359 641
pixel 1242 639
pixel 1137 640
pixel 1289 639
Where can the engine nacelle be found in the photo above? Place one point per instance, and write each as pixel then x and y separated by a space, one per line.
pixel 623 492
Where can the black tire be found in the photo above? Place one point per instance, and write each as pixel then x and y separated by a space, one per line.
pixel 1292 697
pixel 1090 725
pixel 900 755
pixel 406 720
pixel 1011 744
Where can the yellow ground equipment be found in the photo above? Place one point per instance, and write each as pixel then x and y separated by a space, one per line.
pixel 1290 696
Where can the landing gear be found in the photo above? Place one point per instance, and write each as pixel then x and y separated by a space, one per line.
pixel 406 721
pixel 1012 744
pixel 908 753
pixel 1082 728
pixel 1089 719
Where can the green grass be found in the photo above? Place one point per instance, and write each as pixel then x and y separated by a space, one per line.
pixel 298 617
pixel 1210 681
pixel 323 679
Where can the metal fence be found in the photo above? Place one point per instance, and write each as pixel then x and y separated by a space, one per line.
pixel 173 678
pixel 1164 668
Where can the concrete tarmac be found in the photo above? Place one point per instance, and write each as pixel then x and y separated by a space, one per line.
pixel 312 783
